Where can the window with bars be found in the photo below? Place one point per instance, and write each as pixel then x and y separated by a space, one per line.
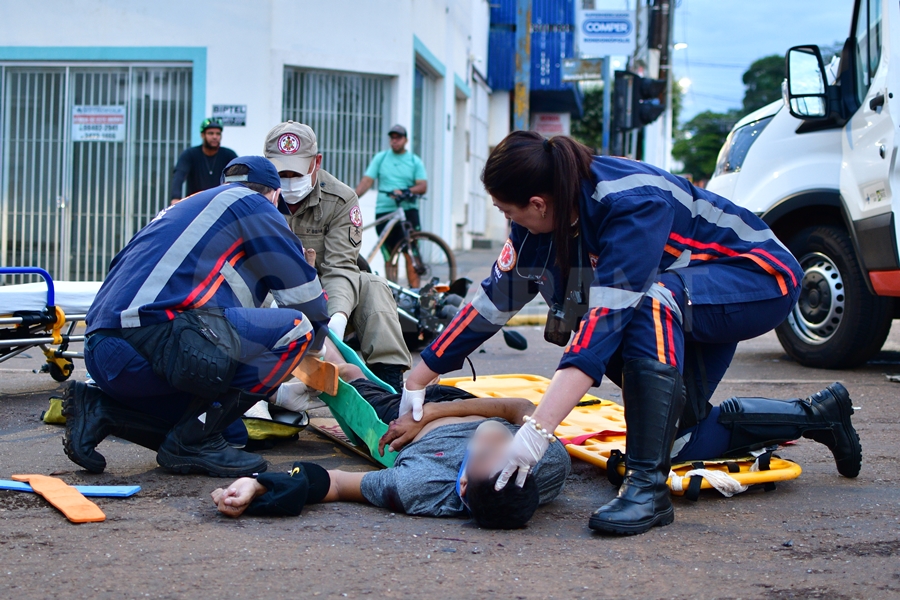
pixel 69 203
pixel 348 112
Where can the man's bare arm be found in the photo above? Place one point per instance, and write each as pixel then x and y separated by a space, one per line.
pixel 363 186
pixel 345 487
pixel 420 187
pixel 234 500
pixel 404 430
pixel 510 409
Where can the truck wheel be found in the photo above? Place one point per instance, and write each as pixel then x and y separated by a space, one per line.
pixel 837 323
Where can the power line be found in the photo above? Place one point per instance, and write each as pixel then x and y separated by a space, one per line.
pixel 714 97
pixel 719 65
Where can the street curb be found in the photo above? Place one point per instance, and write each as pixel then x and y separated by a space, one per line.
pixel 519 320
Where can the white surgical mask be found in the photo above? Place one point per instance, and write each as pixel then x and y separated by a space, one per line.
pixel 295 189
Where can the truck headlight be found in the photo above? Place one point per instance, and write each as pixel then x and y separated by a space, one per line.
pixel 736 146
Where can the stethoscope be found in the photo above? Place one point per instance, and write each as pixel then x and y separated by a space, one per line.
pixel 546 260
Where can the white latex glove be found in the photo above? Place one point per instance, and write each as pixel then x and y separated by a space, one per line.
pixel 338 324
pixel 526 450
pixel 412 401
pixel 294 396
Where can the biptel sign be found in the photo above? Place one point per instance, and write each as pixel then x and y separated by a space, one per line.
pixel 605 33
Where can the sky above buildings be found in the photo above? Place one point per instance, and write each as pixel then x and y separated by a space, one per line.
pixel 724 37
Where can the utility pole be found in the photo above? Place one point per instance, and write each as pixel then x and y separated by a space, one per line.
pixel 657 136
pixel 607 102
pixel 637 58
pixel 521 108
pixel 667 72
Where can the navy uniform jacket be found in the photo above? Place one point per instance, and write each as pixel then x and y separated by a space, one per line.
pixel 635 222
pixel 222 248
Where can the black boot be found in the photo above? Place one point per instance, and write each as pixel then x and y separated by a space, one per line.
pixel 390 374
pixel 823 417
pixel 196 445
pixel 91 416
pixel 654 400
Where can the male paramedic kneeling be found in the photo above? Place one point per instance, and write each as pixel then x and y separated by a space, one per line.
pixel 663 279
pixel 176 339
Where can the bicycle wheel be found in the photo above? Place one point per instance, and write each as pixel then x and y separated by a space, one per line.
pixel 427 256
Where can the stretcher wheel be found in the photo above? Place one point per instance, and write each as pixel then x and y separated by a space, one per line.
pixel 61 373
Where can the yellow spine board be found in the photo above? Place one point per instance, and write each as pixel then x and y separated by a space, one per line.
pixel 604 422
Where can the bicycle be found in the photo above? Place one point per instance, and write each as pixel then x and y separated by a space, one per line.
pixel 427 255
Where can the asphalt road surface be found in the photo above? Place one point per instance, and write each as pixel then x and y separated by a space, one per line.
pixel 820 536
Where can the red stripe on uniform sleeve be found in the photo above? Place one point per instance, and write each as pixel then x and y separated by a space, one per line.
pixel 702 245
pixel 459 329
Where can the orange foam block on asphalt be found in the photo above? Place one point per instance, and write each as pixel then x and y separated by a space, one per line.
pixel 64 497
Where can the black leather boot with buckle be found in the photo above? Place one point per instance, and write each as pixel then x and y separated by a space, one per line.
pixel 823 417
pixel 92 415
pixel 195 444
pixel 654 399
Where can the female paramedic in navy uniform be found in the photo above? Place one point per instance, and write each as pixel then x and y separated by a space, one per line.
pixel 671 273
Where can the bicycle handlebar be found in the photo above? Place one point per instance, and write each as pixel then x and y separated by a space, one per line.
pixel 405 196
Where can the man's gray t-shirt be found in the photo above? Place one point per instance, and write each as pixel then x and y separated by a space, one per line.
pixel 423 478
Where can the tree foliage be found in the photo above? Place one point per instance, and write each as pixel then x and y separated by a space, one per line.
pixel 763 82
pixel 589 128
pixel 698 142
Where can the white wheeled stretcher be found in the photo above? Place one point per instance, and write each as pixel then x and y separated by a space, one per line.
pixel 43 315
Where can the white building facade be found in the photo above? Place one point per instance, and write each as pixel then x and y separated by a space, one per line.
pixel 98 98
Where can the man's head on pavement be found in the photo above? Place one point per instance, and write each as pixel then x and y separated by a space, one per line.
pixel 397 134
pixel 211 133
pixel 256 173
pixel 511 507
pixel 293 149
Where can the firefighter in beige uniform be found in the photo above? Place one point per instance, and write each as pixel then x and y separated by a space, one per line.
pixel 325 215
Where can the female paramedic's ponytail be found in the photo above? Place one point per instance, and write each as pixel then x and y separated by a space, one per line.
pixel 525 164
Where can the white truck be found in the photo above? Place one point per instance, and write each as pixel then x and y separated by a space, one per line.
pixel 821 169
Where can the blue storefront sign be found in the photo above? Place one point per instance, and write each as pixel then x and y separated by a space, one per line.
pixel 605 33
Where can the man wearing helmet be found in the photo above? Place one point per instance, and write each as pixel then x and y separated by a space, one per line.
pixel 201 166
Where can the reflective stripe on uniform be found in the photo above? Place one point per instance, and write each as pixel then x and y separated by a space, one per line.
pixel 238 286
pixel 300 330
pixel 178 251
pixel 614 298
pixel 486 307
pixel 298 295
pixel 698 206
pixel 665 297
pixel 683 260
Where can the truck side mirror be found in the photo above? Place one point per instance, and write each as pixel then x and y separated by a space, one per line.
pixel 804 89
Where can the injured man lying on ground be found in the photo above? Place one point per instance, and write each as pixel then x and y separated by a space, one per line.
pixel 447 464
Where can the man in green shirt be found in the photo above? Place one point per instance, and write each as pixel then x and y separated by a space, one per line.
pixel 397 170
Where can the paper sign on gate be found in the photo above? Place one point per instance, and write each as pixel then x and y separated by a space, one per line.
pixel 98 123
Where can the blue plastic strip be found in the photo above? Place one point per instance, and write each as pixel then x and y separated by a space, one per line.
pixel 96 491
pixel 51 295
